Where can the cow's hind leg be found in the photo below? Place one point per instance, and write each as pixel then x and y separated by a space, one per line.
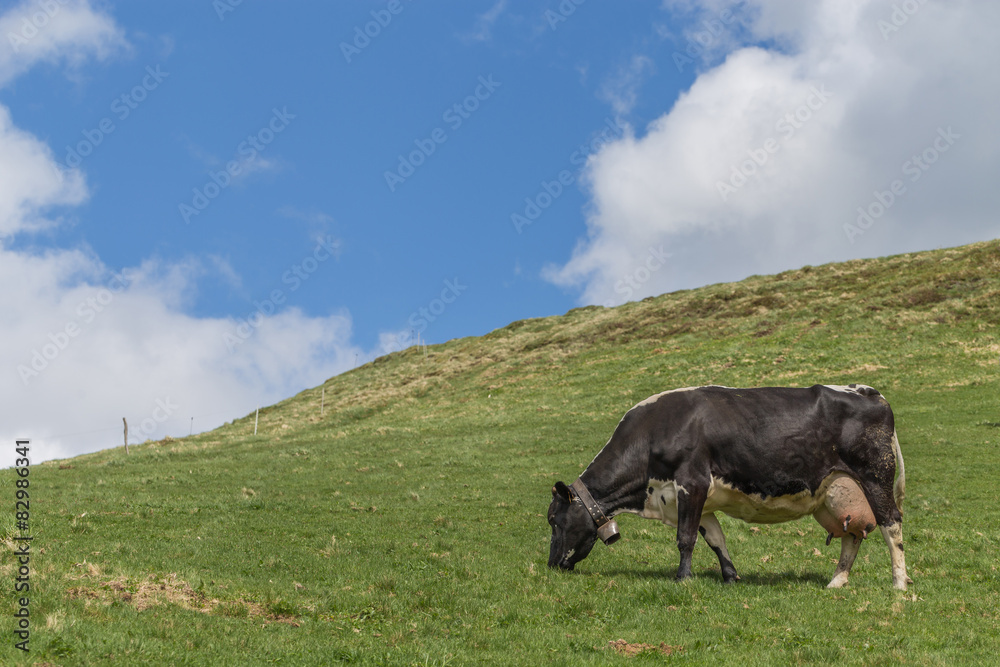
pixel 712 532
pixel 849 546
pixel 690 502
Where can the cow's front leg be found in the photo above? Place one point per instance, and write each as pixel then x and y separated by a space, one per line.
pixel 849 546
pixel 690 502
pixel 712 532
pixel 893 535
pixel 880 497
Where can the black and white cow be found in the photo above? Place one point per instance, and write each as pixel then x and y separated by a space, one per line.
pixel 764 455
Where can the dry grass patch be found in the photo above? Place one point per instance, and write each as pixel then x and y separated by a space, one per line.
pixel 865 368
pixel 623 647
pixel 147 593
pixel 170 589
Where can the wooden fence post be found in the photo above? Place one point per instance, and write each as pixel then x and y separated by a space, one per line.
pixel 125 421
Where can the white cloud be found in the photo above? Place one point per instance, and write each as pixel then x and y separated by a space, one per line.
pixel 484 23
pixel 621 90
pixel 394 341
pixel 246 165
pixel 68 31
pixel 31 183
pixel 250 166
pixel 84 345
pixel 317 222
pixel 879 95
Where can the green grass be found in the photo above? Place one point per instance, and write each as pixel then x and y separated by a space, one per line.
pixel 406 526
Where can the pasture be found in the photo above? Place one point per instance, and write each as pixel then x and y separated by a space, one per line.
pixel 407 524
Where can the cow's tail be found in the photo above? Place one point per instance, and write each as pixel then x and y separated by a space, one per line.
pixel 899 489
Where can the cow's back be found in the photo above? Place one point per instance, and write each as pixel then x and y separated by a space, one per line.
pixel 769 441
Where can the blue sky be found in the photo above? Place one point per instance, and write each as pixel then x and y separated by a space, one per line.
pixel 325 173
pixel 213 205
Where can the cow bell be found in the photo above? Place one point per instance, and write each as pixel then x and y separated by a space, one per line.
pixel 609 532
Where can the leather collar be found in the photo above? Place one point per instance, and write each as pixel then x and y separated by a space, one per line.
pixel 588 501
pixel 607 528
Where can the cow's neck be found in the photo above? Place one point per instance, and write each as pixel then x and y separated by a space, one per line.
pixel 617 478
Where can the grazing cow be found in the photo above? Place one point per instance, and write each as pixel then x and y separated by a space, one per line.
pixel 763 455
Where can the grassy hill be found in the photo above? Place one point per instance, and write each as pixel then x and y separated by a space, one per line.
pixel 405 524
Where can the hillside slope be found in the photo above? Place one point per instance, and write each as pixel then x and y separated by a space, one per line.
pixel 834 322
pixel 404 524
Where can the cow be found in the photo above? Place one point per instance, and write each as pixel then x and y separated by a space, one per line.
pixel 763 455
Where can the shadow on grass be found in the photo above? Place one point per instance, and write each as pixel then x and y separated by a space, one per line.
pixel 752 579
pixel 747 579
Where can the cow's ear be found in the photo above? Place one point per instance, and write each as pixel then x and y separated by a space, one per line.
pixel 561 490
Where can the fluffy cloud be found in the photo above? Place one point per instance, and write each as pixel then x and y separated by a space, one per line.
pixel 68 31
pixel 30 180
pixel 763 163
pixel 84 345
pixel 622 90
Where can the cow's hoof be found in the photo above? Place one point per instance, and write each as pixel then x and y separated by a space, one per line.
pixel 839 581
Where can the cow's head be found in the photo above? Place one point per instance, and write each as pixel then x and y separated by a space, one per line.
pixel 574 531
